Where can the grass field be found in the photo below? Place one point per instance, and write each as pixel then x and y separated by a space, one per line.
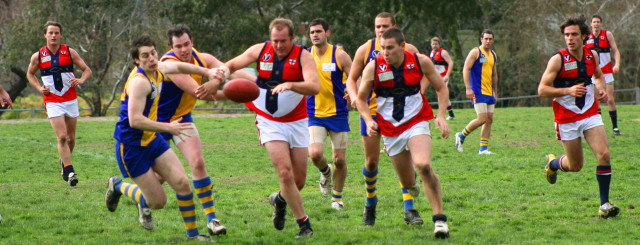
pixel 490 199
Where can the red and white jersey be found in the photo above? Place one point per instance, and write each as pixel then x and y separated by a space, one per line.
pixel 287 106
pixel 56 70
pixel 442 66
pixel 601 45
pixel 401 103
pixel 567 109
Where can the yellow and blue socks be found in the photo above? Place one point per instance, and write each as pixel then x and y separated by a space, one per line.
pixel 484 144
pixel 370 180
pixel 336 196
pixel 203 189
pixel 326 171
pixel 407 199
pixel 188 212
pixel 131 191
pixel 603 175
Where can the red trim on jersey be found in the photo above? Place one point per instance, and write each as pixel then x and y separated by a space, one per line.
pixel 436 56
pixel 64 58
pixel 603 42
pixel 562 114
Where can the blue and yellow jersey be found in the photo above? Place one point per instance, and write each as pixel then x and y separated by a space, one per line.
pixel 330 100
pixel 124 133
pixel 175 103
pixel 481 75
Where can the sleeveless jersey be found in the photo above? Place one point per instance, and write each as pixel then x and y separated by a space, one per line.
pixel 124 133
pixel 481 74
pixel 401 103
pixel 442 66
pixel 55 71
pixel 601 45
pixel 287 106
pixel 330 100
pixel 567 109
pixel 175 103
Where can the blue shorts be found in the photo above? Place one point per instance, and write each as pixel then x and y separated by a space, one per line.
pixel 363 126
pixel 481 98
pixel 337 123
pixel 135 160
pixel 168 136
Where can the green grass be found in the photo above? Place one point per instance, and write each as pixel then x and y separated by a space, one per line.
pixel 493 199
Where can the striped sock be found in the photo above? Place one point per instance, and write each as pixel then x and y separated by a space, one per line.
pixel 325 171
pixel 465 132
pixel 131 191
pixel 614 118
pixel 188 211
pixel 370 179
pixel 407 199
pixel 484 144
pixel 203 191
pixel 304 221
pixel 603 175
pixel 336 196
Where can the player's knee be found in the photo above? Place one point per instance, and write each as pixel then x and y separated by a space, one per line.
pixel 603 157
pixel 156 203
pixel 181 185
pixel 63 138
pixel 316 156
pixel 424 167
pixel 285 175
pixel 197 165
pixel 339 162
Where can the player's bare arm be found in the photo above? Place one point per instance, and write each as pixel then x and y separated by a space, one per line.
pixel 466 71
pixel 345 61
pixel 31 75
pixel 598 76
pixel 615 51
pixel 311 83
pixel 354 73
pixel 546 89
pixel 412 48
pixel 441 90
pixel 79 62
pixel 445 55
pixel 494 79
pixel 366 83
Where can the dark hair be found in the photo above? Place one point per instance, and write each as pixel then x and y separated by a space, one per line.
pixel 596 16
pixel 320 21
pixel 578 20
pixel 143 41
pixel 177 31
pixel 280 23
pixel 52 23
pixel 394 33
pixel 387 15
pixel 487 31
pixel 437 39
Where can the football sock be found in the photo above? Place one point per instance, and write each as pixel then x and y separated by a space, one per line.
pixel 439 217
pixel 614 118
pixel 187 208
pixel 280 202
pixel 603 175
pixel 370 179
pixel 304 221
pixel 407 199
pixel 484 144
pixel 556 164
pixel 326 171
pixel 203 191
pixel 336 196
pixel 465 132
pixel 131 191
pixel 450 110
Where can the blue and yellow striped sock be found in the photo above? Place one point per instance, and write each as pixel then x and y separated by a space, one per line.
pixel 465 132
pixel 603 175
pixel 484 144
pixel 336 196
pixel 205 195
pixel 407 199
pixel 325 171
pixel 131 191
pixel 370 179
pixel 188 211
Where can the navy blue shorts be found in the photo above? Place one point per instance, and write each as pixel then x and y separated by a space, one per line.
pixel 481 98
pixel 363 126
pixel 135 160
pixel 168 136
pixel 334 123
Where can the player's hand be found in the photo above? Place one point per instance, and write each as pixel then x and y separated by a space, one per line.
pixel 216 73
pixel 44 90
pixel 282 87
pixel 6 102
pixel 616 69
pixel 207 89
pixel 445 79
pixel 180 129
pixel 469 94
pixel 372 129
pixel 76 81
pixel 601 95
pixel 442 124
pixel 577 90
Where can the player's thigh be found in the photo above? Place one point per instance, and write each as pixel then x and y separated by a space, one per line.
pixel 299 160
pixel 371 146
pixel 420 149
pixel 71 123
pixel 573 150
pixel 168 166
pixel 339 139
pixel 191 148
pixel 597 139
pixel 59 126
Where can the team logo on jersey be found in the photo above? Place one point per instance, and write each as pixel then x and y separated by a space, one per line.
pixel 63 52
pixel 588 57
pixel 410 66
pixel 43 53
pixel 382 67
pixel 602 37
pixel 567 57
pixel 375 53
pixel 292 61
pixel 266 57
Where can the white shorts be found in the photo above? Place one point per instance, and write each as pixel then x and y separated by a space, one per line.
pixel 574 130
pixel 395 145
pixel 192 132
pixel 67 108
pixel 484 108
pixel 608 78
pixel 294 133
pixel 319 135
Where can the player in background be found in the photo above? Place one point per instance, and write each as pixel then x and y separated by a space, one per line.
pixel 403 113
pixel 177 100
pixel 142 154
pixel 328 112
pixel 286 75
pixel 56 62
pixel 603 42
pixel 366 53
pixel 569 79
pixel 444 65
pixel 481 82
